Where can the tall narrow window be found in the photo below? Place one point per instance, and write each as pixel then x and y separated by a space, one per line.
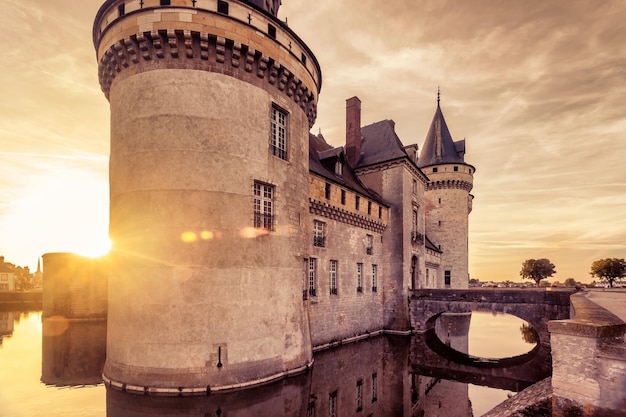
pixel 332 404
pixel 318 234
pixel 447 278
pixel 374 278
pixel 414 186
pixel 121 9
pixel 374 387
pixel 263 206
pixel 369 208
pixel 359 395
pixel 305 280
pixel 279 133
pixel 311 409
pixel 333 277
pixel 312 276
pixel 327 191
pixel 380 212
pixel 357 202
pixel 359 277
pixel 369 244
pixel 343 197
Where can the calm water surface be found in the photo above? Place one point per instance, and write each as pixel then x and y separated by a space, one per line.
pixel 68 362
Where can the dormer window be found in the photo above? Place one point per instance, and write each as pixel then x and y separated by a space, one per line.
pixel 338 168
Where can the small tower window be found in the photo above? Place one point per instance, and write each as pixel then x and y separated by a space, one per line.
pixel 369 208
pixel 357 202
pixel 166 2
pixel 435 169
pixel 327 191
pixel 303 58
pixel 271 30
pixel 222 7
pixel 343 197
pixel 121 9
pixel 456 169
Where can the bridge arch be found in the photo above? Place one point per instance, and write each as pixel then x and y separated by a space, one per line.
pixel 535 306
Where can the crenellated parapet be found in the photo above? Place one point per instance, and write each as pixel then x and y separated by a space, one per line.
pixel 241 41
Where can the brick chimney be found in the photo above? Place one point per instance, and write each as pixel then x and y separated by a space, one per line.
pixel 353 130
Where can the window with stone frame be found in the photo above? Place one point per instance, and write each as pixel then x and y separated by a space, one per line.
pixel 374 278
pixel 359 277
pixel 263 205
pixel 312 277
pixel 447 278
pixel 279 133
pixel 369 244
pixel 318 234
pixel 333 276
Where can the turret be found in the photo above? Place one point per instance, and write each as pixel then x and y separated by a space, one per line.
pixel 448 200
pixel 211 106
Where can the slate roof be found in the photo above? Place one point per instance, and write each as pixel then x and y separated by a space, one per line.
pixel 380 143
pixel 322 157
pixel 439 147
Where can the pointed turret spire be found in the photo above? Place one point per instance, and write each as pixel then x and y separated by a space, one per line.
pixel 439 147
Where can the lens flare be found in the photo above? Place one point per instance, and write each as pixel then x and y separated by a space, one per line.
pixel 189 237
pixel 253 232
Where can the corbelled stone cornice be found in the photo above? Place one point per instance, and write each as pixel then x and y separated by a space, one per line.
pixel 449 184
pixel 182 49
pixel 344 216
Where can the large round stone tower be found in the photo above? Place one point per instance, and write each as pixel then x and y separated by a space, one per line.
pixel 448 200
pixel 211 106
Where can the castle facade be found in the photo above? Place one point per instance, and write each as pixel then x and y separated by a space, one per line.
pixel 242 243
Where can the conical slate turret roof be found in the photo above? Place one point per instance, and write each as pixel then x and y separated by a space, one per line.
pixel 439 148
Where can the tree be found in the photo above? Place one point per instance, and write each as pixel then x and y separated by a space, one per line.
pixel 537 269
pixel 570 282
pixel 609 269
pixel 529 334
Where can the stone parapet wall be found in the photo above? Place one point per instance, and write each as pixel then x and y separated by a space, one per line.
pixel 589 361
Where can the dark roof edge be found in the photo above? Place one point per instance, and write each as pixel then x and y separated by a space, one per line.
pixel 407 158
pixel 372 195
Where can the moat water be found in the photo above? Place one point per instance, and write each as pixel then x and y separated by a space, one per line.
pixel 50 371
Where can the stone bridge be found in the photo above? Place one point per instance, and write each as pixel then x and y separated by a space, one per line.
pixel 536 306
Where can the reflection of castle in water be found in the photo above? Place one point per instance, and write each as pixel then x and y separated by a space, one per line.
pixel 379 376
pixel 6 324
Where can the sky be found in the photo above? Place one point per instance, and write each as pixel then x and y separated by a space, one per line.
pixel 537 88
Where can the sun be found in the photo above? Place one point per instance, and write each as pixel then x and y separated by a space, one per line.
pixel 96 248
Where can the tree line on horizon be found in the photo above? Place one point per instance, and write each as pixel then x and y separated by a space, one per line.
pixel 607 270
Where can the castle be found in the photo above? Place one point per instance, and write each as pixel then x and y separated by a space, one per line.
pixel 243 243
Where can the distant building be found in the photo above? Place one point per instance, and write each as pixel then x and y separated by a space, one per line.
pixel 7 276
